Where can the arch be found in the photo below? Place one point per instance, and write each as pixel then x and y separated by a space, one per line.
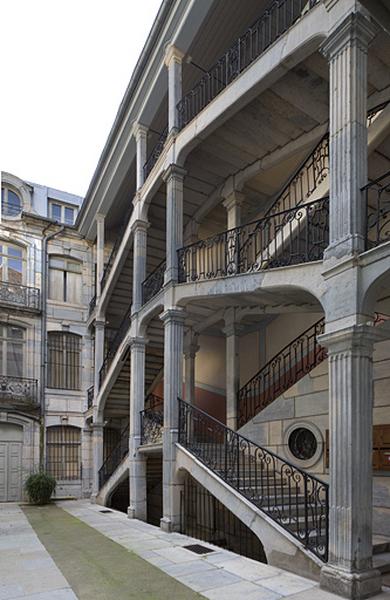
pixel 374 286
pixel 19 187
pixel 146 316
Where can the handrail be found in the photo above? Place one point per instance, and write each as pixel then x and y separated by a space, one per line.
pixel 155 153
pixel 114 345
pixel 295 499
pixel 15 389
pixel 153 282
pixel 115 457
pixel 115 248
pixel 23 295
pixel 377 194
pixel 90 396
pixel 152 423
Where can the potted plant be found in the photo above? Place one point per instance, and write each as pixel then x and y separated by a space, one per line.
pixel 39 487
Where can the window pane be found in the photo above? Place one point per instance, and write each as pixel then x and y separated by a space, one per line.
pixel 15 251
pixel 56 285
pixel 56 262
pixel 15 359
pixel 56 212
pixel 73 266
pixel 69 215
pixel 15 271
pixel 13 205
pixel 64 360
pixel 73 290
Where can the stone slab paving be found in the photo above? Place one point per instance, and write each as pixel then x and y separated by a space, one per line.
pixel 218 575
pixel 27 570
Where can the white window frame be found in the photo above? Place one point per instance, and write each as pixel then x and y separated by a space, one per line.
pixel 6 258
pixel 63 206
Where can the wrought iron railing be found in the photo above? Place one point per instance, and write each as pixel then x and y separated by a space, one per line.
pixel 115 457
pixel 115 248
pixel 277 19
pixel 21 391
pixel 287 367
pixel 378 211
pixel 90 396
pixel 20 295
pixel 92 305
pixel 153 283
pixel 294 236
pixel 152 423
pixel 114 345
pixel 296 500
pixel 155 153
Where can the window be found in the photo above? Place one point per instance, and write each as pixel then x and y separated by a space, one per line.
pixel 11 204
pixel 62 213
pixel 11 263
pixel 63 360
pixel 64 279
pixel 63 452
pixel 302 443
pixel 11 350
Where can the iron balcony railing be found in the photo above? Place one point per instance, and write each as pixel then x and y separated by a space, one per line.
pixel 378 211
pixel 152 423
pixel 114 345
pixel 287 367
pixel 296 500
pixel 155 153
pixel 20 295
pixel 20 391
pixel 115 457
pixel 92 305
pixel 153 283
pixel 294 236
pixel 90 396
pixel 275 21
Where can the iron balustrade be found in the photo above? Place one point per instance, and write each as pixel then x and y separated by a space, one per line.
pixel 153 283
pixel 22 391
pixel 152 423
pixel 275 21
pixel 155 153
pixel 296 500
pixel 377 194
pixel 153 401
pixel 90 396
pixel 21 295
pixel 115 248
pixel 115 457
pixel 291 237
pixel 287 367
pixel 114 345
pixel 92 305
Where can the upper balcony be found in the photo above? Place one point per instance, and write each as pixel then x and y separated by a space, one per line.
pixel 20 296
pixel 19 393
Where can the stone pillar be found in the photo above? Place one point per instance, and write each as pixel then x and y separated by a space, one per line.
pixel 173 61
pixel 99 253
pixel 174 177
pixel 139 263
pixel 190 349
pixel 137 469
pixel 232 368
pixel 173 319
pixel 233 203
pixel 97 456
pixel 141 136
pixel 99 351
pixel 349 571
pixel 346 50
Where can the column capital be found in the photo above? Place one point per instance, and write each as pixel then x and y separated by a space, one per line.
pixel 100 323
pixel 173 53
pixel 357 338
pixel 355 27
pixel 235 198
pixel 174 171
pixel 100 217
pixel 138 343
pixel 191 348
pixel 139 130
pixel 173 314
pixel 140 224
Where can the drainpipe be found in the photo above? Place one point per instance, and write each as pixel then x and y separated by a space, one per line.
pixel 46 239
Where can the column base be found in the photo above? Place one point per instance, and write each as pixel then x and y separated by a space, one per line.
pixel 93 498
pixel 355 586
pixel 131 512
pixel 166 525
pixel 348 246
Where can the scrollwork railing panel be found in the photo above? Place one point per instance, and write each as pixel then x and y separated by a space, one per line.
pixel 152 422
pixel 153 283
pixel 378 211
pixel 115 457
pixel 155 153
pixel 21 295
pixel 19 390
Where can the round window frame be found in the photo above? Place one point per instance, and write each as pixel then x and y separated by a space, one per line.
pixel 310 462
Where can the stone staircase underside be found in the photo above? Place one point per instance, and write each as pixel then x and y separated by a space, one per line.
pixel 119 475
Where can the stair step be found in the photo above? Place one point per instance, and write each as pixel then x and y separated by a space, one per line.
pixel 381 562
pixel 380 544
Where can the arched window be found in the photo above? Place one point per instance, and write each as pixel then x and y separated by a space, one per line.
pixel 65 283
pixel 64 360
pixel 11 203
pixel 11 350
pixel 63 452
pixel 12 263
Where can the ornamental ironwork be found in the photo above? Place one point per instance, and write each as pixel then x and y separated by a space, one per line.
pixel 20 391
pixel 296 500
pixel 153 283
pixel 152 423
pixel 377 194
pixel 291 237
pixel 275 21
pixel 155 153
pixel 92 305
pixel 21 295
pixel 115 457
pixel 90 396
pixel 114 345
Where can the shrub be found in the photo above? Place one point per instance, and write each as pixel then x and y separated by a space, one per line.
pixel 40 487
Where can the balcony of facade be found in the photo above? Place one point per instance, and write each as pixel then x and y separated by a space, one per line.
pixel 20 296
pixel 18 393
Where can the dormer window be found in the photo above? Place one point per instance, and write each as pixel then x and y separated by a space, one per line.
pixel 11 203
pixel 63 213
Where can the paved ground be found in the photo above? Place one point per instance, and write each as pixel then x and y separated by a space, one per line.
pixel 100 555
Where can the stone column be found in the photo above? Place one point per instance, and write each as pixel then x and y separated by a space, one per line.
pixel 190 349
pixel 141 136
pixel 173 61
pixel 232 368
pixel 174 177
pixel 233 203
pixel 349 571
pixel 99 351
pixel 139 263
pixel 97 456
pixel 99 253
pixel 173 319
pixel 346 50
pixel 137 469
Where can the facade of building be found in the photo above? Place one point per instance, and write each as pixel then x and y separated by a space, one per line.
pixel 46 353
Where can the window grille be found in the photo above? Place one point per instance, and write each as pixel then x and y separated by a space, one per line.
pixel 63 452
pixel 64 360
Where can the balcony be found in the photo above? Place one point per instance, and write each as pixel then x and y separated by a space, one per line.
pixel 18 392
pixel 20 296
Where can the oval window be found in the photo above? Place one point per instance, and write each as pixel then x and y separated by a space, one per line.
pixel 302 443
